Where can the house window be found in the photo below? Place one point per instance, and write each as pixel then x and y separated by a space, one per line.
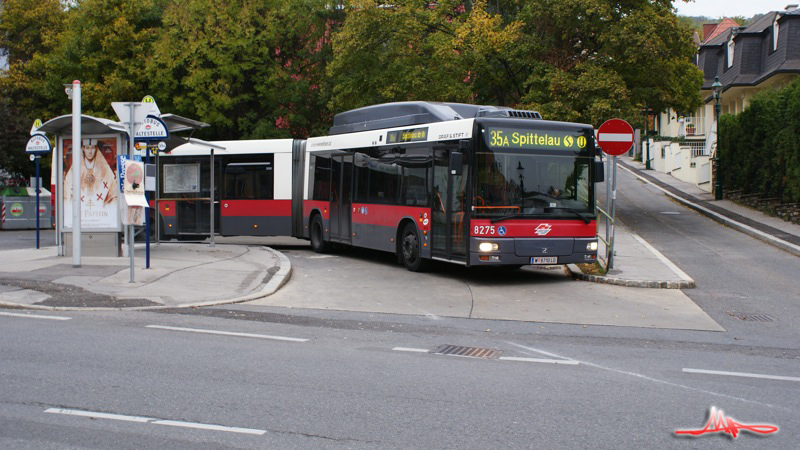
pixel 775 29
pixel 731 47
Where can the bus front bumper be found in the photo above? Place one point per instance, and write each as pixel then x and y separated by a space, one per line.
pixel 535 251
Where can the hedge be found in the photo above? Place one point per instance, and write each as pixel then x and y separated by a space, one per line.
pixel 760 147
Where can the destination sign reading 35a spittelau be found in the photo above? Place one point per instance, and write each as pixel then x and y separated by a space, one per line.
pixel 529 140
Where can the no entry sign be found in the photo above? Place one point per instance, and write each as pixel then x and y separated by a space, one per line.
pixel 615 137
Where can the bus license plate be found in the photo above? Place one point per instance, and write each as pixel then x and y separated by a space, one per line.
pixel 544 260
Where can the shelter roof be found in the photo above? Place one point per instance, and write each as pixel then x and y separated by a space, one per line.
pixel 89 125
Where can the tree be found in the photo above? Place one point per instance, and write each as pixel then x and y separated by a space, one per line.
pixel 26 28
pixel 580 60
pixel 413 50
pixel 253 69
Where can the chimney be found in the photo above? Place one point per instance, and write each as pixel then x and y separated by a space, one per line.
pixel 790 8
pixel 708 28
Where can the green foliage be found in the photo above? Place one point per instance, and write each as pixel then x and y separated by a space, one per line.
pixel 269 69
pixel 760 147
pixel 250 68
pixel 416 50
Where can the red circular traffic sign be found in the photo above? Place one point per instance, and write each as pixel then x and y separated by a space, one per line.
pixel 615 137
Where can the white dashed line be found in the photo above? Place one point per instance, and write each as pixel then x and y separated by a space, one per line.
pixel 34 316
pixel 229 333
pixel 540 360
pixel 154 421
pixel 413 350
pixel 742 374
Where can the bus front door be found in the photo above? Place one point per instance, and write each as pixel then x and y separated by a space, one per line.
pixel 449 191
pixel 341 198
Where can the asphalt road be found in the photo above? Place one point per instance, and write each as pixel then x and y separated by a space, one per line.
pixel 312 378
pixel 364 381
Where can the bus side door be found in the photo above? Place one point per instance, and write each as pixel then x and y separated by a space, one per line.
pixel 341 198
pixel 448 213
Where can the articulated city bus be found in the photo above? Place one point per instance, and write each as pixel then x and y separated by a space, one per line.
pixel 475 185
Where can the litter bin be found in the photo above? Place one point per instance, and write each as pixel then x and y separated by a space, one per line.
pixel 19 212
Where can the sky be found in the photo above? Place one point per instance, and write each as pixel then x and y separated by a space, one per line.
pixel 730 8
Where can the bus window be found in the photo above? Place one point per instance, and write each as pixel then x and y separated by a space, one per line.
pixel 321 165
pixel 249 181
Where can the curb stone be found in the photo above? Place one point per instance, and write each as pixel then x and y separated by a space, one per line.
pixel 275 282
pixel 654 284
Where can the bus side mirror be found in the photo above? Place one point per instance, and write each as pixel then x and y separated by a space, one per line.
pixel 456 163
pixel 599 172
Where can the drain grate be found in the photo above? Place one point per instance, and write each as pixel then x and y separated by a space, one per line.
pixel 756 317
pixel 470 352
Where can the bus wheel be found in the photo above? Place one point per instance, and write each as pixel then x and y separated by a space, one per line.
pixel 409 249
pixel 318 243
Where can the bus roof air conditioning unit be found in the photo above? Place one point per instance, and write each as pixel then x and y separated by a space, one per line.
pixel 403 114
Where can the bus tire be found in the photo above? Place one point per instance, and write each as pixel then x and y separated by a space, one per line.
pixel 318 243
pixel 410 249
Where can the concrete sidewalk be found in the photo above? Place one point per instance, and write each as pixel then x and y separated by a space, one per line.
pixel 181 275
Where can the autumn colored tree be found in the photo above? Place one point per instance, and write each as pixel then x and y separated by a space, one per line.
pixel 253 69
pixel 415 50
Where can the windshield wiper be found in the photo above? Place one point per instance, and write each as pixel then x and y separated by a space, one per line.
pixel 585 219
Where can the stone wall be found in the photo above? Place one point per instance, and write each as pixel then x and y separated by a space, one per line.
pixel 772 206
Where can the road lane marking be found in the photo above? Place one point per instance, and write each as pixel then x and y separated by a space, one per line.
pixel 742 374
pixel 154 421
pixel 414 350
pixel 34 316
pixel 645 377
pixel 540 360
pixel 228 333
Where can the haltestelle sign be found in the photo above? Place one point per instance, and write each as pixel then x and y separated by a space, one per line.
pixel 38 144
pixel 152 129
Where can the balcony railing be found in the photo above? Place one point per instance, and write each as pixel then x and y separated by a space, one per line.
pixel 695 126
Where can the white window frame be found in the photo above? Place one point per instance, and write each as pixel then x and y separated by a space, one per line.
pixel 731 51
pixel 775 31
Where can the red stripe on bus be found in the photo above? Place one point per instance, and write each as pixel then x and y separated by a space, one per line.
pixel 390 215
pixel 310 205
pixel 532 228
pixel 256 208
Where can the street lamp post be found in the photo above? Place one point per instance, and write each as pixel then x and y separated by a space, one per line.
pixel 717 91
pixel 647 137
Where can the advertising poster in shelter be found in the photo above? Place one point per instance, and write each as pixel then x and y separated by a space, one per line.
pixel 99 190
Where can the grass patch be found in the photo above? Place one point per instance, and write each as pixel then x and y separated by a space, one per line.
pixel 592 268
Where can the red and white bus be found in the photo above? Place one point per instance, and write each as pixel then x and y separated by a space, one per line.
pixel 475 185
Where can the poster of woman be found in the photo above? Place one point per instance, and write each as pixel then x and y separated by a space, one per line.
pixel 99 188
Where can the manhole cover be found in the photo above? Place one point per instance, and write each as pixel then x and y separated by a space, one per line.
pixel 756 317
pixel 471 352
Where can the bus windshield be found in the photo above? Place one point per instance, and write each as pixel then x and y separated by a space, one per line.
pixel 510 183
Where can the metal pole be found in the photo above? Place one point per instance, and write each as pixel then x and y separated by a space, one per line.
pixel 147 214
pixel 59 192
pixel 647 136
pixel 131 132
pixel 37 199
pixel 613 217
pixel 718 176
pixel 211 230
pixel 158 208
pixel 77 156
pixel 608 197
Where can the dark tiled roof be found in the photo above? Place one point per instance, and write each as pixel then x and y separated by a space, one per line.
pixel 762 24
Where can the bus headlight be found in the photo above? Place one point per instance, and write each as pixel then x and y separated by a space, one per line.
pixel 488 247
pixel 591 246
